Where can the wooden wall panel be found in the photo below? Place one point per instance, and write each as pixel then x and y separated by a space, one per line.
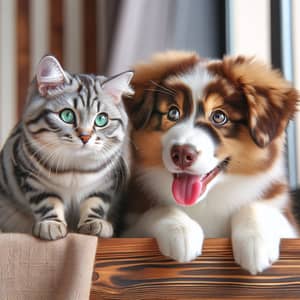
pixel 39 32
pixel 8 69
pixel 56 29
pixel 73 42
pixel 23 52
pixel 90 36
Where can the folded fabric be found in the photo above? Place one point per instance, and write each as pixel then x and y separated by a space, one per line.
pixel 41 270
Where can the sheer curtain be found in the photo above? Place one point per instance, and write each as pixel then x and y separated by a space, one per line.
pixel 145 27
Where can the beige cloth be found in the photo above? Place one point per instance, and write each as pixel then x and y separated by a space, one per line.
pixel 40 270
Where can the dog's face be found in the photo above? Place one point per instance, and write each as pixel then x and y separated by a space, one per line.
pixel 215 119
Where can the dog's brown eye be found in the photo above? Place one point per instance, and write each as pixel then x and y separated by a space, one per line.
pixel 218 118
pixel 173 114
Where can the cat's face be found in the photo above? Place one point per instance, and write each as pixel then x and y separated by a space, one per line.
pixel 85 121
pixel 75 117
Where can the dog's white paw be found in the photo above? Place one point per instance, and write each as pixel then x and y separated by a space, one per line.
pixel 181 241
pixel 255 252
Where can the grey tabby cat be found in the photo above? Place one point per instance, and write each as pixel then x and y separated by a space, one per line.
pixel 67 160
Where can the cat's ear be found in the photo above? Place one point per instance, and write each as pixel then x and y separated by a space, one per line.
pixel 49 74
pixel 118 85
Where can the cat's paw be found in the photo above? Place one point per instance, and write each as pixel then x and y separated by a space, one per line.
pixel 49 230
pixel 182 242
pixel 255 252
pixel 98 227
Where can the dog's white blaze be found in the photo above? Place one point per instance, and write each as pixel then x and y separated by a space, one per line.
pixel 196 80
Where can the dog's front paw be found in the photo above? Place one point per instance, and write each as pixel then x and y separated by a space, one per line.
pixel 255 252
pixel 49 230
pixel 182 242
pixel 98 227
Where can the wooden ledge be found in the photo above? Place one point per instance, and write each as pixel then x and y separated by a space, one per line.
pixel 134 269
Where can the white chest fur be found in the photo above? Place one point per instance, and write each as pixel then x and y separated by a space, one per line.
pixel 214 212
pixel 73 185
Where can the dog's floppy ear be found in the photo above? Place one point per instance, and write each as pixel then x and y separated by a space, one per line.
pixel 271 100
pixel 162 65
pixel 270 109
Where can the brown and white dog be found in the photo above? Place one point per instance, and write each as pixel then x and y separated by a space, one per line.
pixel 209 156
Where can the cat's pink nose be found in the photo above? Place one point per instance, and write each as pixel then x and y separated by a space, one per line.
pixel 84 138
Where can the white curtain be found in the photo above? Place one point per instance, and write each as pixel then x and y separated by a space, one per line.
pixel 144 27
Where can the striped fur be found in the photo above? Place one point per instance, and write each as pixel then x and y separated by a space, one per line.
pixel 54 174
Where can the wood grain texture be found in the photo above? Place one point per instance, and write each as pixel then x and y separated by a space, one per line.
pixel 56 29
pixel 23 53
pixel 134 269
pixel 90 36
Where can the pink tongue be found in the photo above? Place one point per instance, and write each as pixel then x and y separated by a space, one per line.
pixel 187 188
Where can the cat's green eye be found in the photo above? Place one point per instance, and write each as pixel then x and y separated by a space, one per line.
pixel 101 120
pixel 67 115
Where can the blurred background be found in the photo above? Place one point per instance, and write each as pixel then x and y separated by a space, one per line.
pixel 109 36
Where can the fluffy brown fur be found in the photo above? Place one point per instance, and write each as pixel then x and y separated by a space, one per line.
pixel 258 103
pixel 254 96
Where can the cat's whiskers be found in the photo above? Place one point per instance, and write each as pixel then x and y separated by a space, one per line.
pixel 57 164
pixel 43 160
pixel 39 149
pixel 63 163
pixel 52 161
pixel 115 163
pixel 105 150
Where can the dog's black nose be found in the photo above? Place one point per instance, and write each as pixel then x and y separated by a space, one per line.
pixel 183 156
